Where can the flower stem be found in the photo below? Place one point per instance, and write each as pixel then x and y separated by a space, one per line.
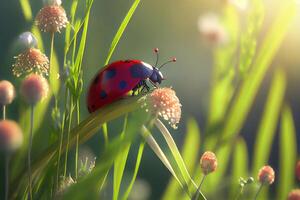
pixel 68 136
pixel 29 152
pixel 51 51
pixel 7 158
pixel 258 191
pixel 4 112
pixel 77 140
pixel 239 194
pixel 199 188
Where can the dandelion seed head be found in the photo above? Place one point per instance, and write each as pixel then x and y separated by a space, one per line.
pixel 212 30
pixel 52 18
pixel 7 92
pixel 165 103
pixel 294 195
pixel 208 162
pixel 11 137
pixel 31 60
pixel 34 88
pixel 266 175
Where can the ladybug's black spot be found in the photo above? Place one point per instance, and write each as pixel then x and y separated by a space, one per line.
pixel 140 71
pixel 127 61
pixel 96 80
pixel 103 94
pixel 122 85
pixel 109 73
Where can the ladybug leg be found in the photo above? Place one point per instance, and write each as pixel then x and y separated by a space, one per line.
pixel 154 84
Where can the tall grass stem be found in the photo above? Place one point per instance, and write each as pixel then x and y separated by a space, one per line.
pixel 29 152
pixel 258 191
pixel 7 158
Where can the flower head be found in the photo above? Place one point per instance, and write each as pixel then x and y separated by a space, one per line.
pixel 52 18
pixel 298 170
pixel 212 30
pixel 266 175
pixel 34 88
pixel 294 195
pixel 208 162
pixel 31 60
pixel 11 136
pixel 165 103
pixel 7 92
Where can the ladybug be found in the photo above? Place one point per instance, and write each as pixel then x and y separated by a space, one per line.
pixel 117 79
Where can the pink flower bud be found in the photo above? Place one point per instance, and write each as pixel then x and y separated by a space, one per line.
pixel 34 88
pixel 208 162
pixel 7 93
pixel 11 136
pixel 52 18
pixel 31 60
pixel 165 103
pixel 266 175
pixel 294 195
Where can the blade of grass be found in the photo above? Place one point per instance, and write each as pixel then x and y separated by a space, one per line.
pixel 26 9
pixel 88 188
pixel 136 169
pixel 119 165
pixel 121 30
pixel 287 153
pixel 85 130
pixel 189 154
pixel 267 129
pixel 239 166
pixel 248 90
pixel 178 159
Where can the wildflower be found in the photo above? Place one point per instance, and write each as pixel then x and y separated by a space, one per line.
pixel 208 162
pixel 294 195
pixel 11 136
pixel 212 30
pixel 298 170
pixel 52 18
pixel 31 60
pixel 266 175
pixel 165 103
pixel 27 40
pixel 34 88
pixel 7 92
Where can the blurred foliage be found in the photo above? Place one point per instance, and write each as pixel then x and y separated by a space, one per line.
pixel 240 67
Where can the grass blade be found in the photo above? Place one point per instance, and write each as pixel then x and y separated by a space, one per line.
pixel 88 188
pixel 121 30
pixel 239 166
pixel 269 121
pixel 248 90
pixel 136 169
pixel 177 156
pixel 190 156
pixel 287 154
pixel 26 9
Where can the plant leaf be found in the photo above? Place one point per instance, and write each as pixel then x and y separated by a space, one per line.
pixel 189 154
pixel 287 153
pixel 121 30
pixel 267 129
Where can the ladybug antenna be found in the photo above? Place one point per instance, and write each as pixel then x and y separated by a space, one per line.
pixel 171 60
pixel 156 50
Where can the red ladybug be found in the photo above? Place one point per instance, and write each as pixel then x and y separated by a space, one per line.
pixel 119 78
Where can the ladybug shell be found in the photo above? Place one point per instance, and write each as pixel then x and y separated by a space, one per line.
pixel 115 81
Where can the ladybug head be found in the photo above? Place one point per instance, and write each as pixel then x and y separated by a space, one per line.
pixel 157 76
